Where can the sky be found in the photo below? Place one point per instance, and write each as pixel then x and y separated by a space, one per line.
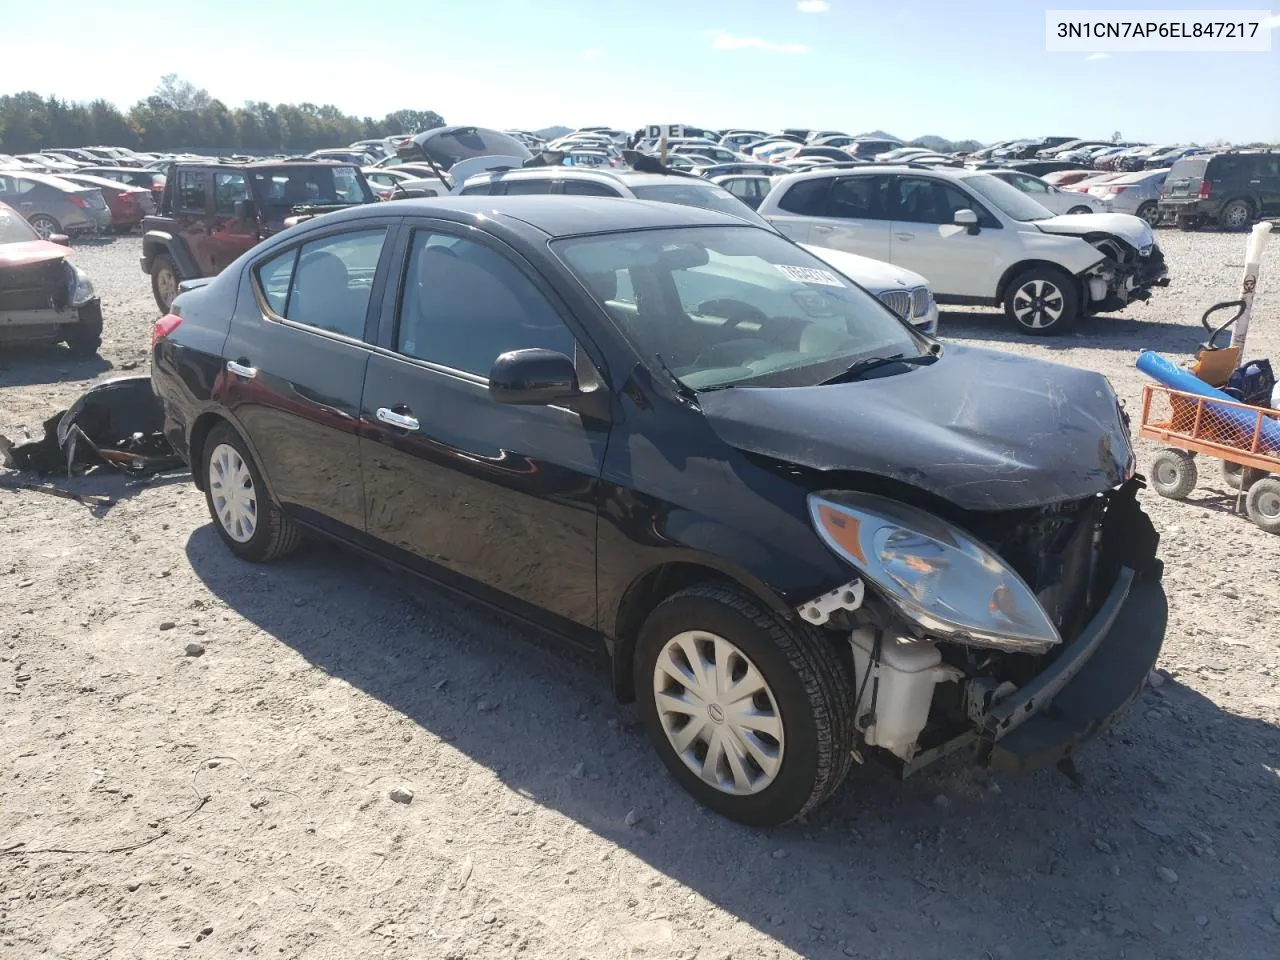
pixel 953 69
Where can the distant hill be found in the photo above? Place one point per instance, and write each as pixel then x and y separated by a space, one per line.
pixel 550 133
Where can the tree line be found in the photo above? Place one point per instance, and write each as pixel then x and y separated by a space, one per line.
pixel 179 116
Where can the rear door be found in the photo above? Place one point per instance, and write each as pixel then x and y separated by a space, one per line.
pixel 229 235
pixel 855 217
pixel 455 484
pixel 295 363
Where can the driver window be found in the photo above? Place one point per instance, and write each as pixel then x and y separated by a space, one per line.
pixel 922 200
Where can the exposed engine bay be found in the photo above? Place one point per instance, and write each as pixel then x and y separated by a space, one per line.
pixel 1127 273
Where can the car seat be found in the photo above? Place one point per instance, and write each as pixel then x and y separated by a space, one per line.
pixel 323 296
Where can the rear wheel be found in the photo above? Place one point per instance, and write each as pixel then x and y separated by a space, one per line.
pixel 1173 473
pixel 1238 477
pixel 44 225
pixel 251 526
pixel 1236 215
pixel 164 281
pixel 1042 301
pixel 751 713
pixel 1150 212
pixel 1263 504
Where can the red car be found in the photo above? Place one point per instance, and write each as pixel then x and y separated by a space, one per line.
pixel 128 205
pixel 147 179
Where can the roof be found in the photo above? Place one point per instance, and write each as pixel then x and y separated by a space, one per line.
pixel 630 178
pixel 555 216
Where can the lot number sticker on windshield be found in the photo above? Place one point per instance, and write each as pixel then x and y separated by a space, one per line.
pixel 810 275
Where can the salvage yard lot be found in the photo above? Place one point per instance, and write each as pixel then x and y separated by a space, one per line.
pixel 158 804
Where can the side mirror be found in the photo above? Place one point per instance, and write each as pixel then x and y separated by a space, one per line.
pixel 533 377
pixel 61 239
pixel 244 210
pixel 968 219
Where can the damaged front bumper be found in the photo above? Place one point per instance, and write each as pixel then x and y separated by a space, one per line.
pixel 1114 283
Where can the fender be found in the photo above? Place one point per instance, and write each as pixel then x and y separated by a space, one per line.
pixel 156 242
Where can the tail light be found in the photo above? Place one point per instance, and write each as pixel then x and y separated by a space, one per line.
pixel 1204 190
pixel 78 201
pixel 1119 189
pixel 122 196
pixel 164 327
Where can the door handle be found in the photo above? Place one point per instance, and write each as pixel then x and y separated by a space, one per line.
pixel 1255 181
pixel 905 236
pixel 242 369
pixel 823 228
pixel 402 420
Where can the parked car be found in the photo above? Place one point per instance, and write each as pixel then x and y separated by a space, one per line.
pixel 44 297
pixel 361 158
pixel 901 154
pixel 737 139
pixel 1164 159
pixel 828 153
pixel 75 153
pixel 710 151
pixel 1230 189
pixel 152 180
pixel 1064 178
pixel 746 168
pixel 869 148
pixel 113 155
pixel 1095 177
pixel 1111 160
pixel 1135 193
pixel 1136 159
pixel 377 148
pixel 445 146
pixel 17 165
pixel 1056 151
pixel 679 439
pixel 128 205
pixel 749 188
pixel 211 213
pixel 1049 196
pixel 978 239
pixel 384 180
pixel 1038 168
pixel 53 205
pixel 903 291
pixel 41 163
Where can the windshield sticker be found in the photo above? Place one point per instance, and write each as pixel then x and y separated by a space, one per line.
pixel 810 275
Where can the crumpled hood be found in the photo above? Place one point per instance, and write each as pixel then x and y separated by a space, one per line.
pixel 1133 230
pixel 27 252
pixel 982 429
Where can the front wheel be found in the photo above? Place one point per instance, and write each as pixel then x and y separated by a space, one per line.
pixel 1150 212
pixel 751 713
pixel 1042 301
pixel 1173 473
pixel 251 526
pixel 164 281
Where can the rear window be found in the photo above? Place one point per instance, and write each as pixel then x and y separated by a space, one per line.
pixel 708 196
pixel 1188 168
pixel 806 198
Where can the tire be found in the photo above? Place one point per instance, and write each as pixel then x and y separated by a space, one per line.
pixel 1263 504
pixel 85 337
pixel 123 228
pixel 1150 212
pixel 1240 478
pixel 271 534
pixel 164 281
pixel 1173 473
pixel 44 225
pixel 1236 215
pixel 806 693
pixel 1042 301
pixel 1081 210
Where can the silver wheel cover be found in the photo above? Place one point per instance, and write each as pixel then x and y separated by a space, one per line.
pixel 43 226
pixel 1166 473
pixel 235 502
pixel 167 284
pixel 718 713
pixel 1268 505
pixel 1038 303
pixel 1237 215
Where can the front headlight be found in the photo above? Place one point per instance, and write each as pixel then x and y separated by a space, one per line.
pixel 937 576
pixel 81 287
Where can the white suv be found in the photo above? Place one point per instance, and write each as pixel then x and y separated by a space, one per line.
pixel 976 239
pixel 903 291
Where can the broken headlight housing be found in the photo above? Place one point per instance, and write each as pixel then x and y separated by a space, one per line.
pixel 936 575
pixel 80 285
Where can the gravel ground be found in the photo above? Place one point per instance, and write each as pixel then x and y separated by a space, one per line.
pixel 157 803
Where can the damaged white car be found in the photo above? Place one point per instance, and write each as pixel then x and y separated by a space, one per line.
pixel 976 239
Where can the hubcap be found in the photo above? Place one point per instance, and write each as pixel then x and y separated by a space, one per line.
pixel 718 713
pixel 1148 213
pixel 167 284
pixel 1237 215
pixel 1038 303
pixel 231 488
pixel 1167 474
pixel 43 227
pixel 1268 505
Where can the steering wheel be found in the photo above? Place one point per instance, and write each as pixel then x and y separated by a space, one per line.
pixel 734 310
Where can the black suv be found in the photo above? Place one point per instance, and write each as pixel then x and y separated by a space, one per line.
pixel 1231 189
pixel 212 212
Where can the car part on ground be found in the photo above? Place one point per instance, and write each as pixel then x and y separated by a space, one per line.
pixel 661 396
pixel 118 423
pixel 44 298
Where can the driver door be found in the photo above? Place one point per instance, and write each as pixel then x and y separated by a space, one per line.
pixel 926 239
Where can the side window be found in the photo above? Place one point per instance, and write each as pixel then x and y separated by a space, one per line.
pixel 588 188
pixel 465 303
pixel 476 190
pixel 228 190
pixel 516 188
pixel 806 197
pixel 26 186
pixel 921 200
pixel 858 198
pixel 1031 184
pixel 325 283
pixel 193 187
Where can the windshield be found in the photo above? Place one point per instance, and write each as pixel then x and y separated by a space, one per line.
pixel 1007 198
pixel 726 306
pixel 708 196
pixel 318 185
pixel 13 229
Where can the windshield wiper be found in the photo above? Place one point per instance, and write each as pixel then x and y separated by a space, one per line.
pixel 859 368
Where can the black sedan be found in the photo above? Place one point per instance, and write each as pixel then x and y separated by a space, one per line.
pixel 798 526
